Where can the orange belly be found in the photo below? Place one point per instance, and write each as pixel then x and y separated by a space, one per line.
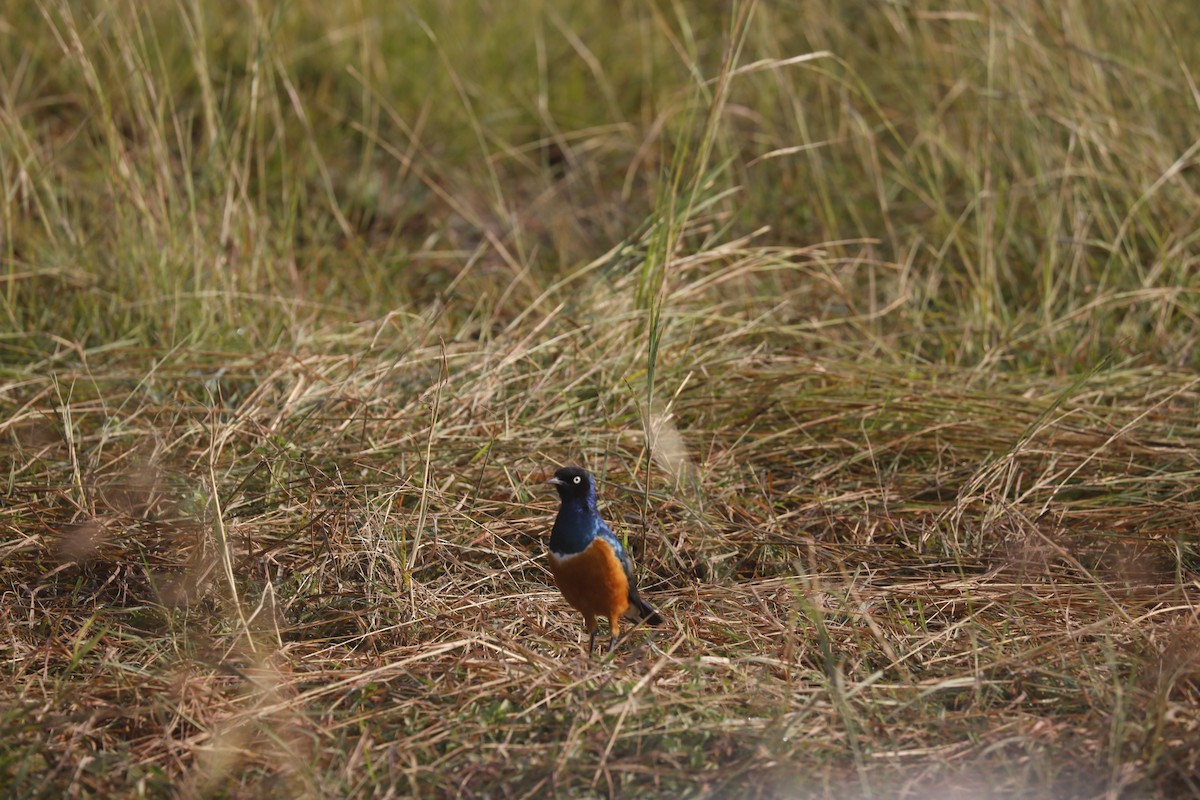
pixel 593 581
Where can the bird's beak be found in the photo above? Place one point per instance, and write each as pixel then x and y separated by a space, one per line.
pixel 555 482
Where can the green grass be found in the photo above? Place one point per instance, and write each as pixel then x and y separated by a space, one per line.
pixel 878 323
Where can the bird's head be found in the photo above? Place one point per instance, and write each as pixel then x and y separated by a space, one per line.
pixel 573 482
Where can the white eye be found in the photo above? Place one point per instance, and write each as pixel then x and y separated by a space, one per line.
pixel 576 479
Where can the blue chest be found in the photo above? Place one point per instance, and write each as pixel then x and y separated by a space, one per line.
pixel 574 528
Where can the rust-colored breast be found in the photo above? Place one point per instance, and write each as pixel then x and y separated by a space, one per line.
pixel 593 581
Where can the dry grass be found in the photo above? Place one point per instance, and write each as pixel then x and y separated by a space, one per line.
pixel 891 383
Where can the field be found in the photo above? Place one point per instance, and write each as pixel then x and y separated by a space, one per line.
pixel 877 322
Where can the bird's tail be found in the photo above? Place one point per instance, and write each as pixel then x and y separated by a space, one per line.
pixel 644 612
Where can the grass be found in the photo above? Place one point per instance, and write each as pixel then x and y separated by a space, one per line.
pixel 877 323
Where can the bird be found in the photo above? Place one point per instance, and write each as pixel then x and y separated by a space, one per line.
pixel 590 566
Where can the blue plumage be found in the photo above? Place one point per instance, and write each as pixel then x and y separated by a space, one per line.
pixel 579 521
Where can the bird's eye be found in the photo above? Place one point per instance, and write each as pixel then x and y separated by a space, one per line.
pixel 577 479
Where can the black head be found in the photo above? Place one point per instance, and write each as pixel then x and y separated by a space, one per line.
pixel 573 482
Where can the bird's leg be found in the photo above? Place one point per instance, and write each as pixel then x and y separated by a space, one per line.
pixel 590 623
pixel 615 625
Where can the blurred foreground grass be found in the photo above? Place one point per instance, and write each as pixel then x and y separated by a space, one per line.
pixel 878 322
